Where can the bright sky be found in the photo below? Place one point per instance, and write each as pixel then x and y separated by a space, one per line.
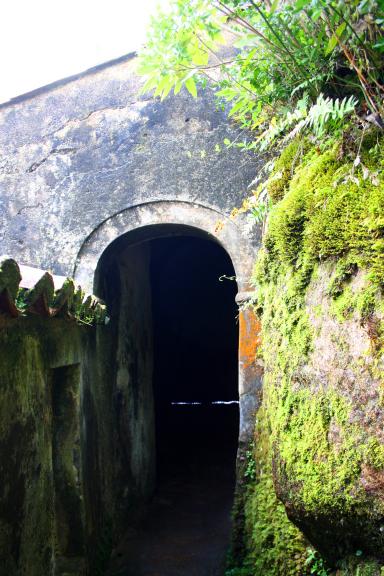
pixel 42 41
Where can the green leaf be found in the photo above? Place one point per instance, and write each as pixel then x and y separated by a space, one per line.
pixel 316 14
pixel 340 29
pixel 167 88
pixel 178 87
pixel 219 38
pixel 161 86
pixel 145 68
pixel 332 43
pixel 379 45
pixel 235 108
pixel 275 4
pixel 149 85
pixel 200 58
pixel 300 4
pixel 190 85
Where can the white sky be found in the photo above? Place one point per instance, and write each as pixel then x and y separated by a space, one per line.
pixel 42 41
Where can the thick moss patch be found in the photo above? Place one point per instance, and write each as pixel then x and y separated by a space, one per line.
pixel 322 454
pixel 275 546
pixel 28 494
pixel 331 209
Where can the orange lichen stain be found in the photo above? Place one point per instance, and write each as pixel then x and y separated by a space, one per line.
pixel 219 226
pixel 249 337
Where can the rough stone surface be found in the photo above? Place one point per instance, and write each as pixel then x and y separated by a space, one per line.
pixel 84 163
pixel 342 365
pixel 31 351
pixel 26 290
pixel 76 440
pixel 79 152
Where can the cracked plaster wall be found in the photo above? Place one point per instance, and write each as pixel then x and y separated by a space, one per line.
pixel 76 153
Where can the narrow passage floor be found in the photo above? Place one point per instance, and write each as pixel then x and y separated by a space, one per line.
pixel 187 531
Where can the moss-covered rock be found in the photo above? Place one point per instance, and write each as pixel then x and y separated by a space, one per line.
pixel 283 169
pixel 319 282
pixel 275 546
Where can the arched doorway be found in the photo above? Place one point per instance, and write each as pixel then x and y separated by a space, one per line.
pixel 143 222
pixel 171 294
pixel 119 441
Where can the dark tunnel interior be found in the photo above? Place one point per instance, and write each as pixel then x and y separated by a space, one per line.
pixel 195 356
pixel 171 293
pixel 188 281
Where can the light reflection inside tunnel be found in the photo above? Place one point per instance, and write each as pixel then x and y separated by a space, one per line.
pixel 226 402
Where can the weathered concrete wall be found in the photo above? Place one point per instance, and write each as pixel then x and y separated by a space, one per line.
pixel 77 440
pixel 88 160
pixel 82 163
pixel 41 513
pixel 117 410
pixel 124 283
pixel 134 360
pixel 77 153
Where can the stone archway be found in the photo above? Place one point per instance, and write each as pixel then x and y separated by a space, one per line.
pixel 194 215
pixel 142 222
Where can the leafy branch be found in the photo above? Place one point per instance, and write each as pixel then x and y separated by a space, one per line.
pixel 301 65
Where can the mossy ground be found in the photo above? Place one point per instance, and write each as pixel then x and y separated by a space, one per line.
pixel 328 205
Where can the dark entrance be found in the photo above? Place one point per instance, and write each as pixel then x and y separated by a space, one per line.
pixel 171 292
pixel 195 355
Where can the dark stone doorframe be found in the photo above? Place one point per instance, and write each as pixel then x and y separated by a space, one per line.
pixel 143 222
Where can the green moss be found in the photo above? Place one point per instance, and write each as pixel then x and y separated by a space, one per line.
pixel 275 546
pixel 328 472
pixel 25 432
pixel 342 306
pixel 10 276
pixel 283 169
pixel 321 213
pixel 331 210
pixel 345 269
pixel 301 419
pixel 28 349
pixel 374 454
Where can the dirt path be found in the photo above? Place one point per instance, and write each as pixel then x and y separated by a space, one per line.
pixel 187 532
